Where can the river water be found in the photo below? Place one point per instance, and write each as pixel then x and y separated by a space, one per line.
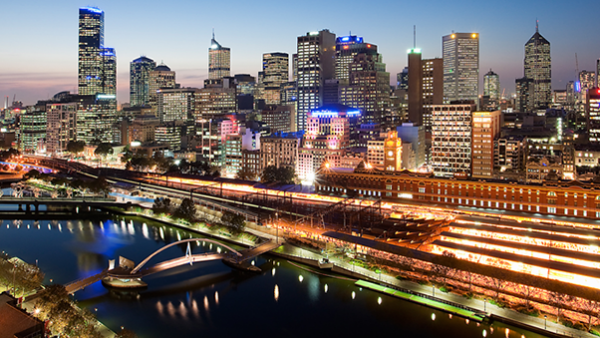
pixel 211 299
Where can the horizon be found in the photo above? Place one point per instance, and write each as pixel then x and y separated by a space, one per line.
pixel 43 61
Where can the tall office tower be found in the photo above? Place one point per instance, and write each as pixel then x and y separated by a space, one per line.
pixel 433 88
pixel 162 77
pixel 486 128
pixel 597 71
pixel 219 60
pixel 537 67
pixel 402 79
pixel 177 104
pixel 460 52
pixel 524 99
pixel 276 72
pixel 295 67
pixel 97 64
pixel 139 81
pixel 316 63
pixel 491 85
pixel 346 48
pixel 593 115
pixel 415 87
pixel 218 97
pixel 451 139
pixel 368 88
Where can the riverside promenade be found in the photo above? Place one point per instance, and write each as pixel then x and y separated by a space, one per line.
pixel 307 257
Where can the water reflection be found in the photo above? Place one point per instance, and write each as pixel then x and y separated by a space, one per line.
pixel 276 292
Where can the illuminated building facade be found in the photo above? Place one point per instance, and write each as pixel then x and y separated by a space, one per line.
pixel 525 94
pixel 491 85
pixel 216 98
pixel 280 150
pixel 433 88
pixel 368 88
pixel 139 81
pixel 568 198
pixel 593 115
pixel 509 152
pixel 346 48
pixel 393 152
pixel 219 60
pixel 162 77
pixel 280 119
pixel 316 63
pixel 451 139
pixel 326 137
pixel 62 126
pixel 276 73
pixel 460 52
pixel 96 118
pixel 97 64
pixel 537 66
pixel 177 104
pixel 32 136
pixel 486 128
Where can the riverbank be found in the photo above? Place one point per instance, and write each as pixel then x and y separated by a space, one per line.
pixel 430 296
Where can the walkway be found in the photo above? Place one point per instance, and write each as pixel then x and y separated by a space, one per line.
pixel 82 283
pixel 477 304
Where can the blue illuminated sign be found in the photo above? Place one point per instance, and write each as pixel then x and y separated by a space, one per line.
pixel 93 10
pixel 578 86
pixel 353 113
pixel 346 38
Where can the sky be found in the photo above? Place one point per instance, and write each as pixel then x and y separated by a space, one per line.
pixel 38 57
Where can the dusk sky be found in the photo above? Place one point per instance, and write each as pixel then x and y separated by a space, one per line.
pixel 39 54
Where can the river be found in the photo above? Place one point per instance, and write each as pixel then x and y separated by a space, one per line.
pixel 213 300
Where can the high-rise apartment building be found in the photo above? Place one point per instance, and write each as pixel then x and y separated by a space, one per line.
pixel 62 126
pixel 219 60
pixel 524 99
pixel 451 139
pixel 593 115
pixel 139 81
pixel 346 48
pixel 97 64
pixel 33 125
pixel 178 104
pixel 368 87
pixel 162 77
pixel 486 128
pixel 316 63
pixel 433 87
pixel 276 72
pixel 460 52
pixel 538 68
pixel 491 85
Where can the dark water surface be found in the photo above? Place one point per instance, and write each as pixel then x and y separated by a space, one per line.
pixel 213 300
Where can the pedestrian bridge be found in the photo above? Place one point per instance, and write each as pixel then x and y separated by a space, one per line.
pixel 128 276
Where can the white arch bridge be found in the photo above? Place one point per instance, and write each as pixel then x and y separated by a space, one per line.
pixel 129 276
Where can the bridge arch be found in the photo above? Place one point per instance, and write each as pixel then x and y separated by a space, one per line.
pixel 142 263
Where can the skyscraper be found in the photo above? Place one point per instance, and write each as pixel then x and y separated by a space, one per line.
pixel 139 80
pixel 415 87
pixel 461 66
pixel 451 139
pixel 491 85
pixel 276 72
pixel 316 63
pixel 161 77
pixel 219 60
pixel 97 64
pixel 346 48
pixel 537 67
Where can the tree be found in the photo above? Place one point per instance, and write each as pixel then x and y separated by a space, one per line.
pixel 32 174
pixel 99 185
pixel 104 149
pixel 282 175
pixel 186 210
pixel 27 277
pixel 125 333
pixel 75 147
pixel 127 155
pixel 161 206
pixel 235 223
pixel 246 175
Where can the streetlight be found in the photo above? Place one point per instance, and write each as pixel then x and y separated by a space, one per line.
pixel 484 302
pixel 545 317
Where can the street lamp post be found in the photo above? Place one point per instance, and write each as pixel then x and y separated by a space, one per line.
pixel 484 302
pixel 545 318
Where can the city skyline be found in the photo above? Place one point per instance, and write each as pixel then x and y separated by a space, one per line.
pixel 32 76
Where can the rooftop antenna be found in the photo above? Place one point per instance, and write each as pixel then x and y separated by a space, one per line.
pixel 213 33
pixel 414 36
pixel 537 23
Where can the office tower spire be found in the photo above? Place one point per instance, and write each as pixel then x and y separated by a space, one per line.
pixel 219 60
pixel 97 64
pixel 537 65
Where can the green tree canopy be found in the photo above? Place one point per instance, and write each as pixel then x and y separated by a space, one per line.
pixel 161 205
pixel 104 149
pixel 186 210
pixel 75 147
pixel 283 175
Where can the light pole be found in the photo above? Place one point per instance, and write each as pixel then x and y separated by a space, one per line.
pixel 545 317
pixel 484 302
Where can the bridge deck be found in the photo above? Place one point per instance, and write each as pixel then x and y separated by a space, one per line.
pixel 173 263
pixel 259 250
pixel 82 283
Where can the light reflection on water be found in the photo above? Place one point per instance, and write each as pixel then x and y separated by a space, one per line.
pixel 170 305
